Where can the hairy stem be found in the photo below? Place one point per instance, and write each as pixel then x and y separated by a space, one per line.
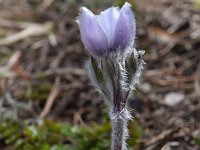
pixel 119 129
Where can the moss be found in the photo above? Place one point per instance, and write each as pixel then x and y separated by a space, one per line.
pixel 51 135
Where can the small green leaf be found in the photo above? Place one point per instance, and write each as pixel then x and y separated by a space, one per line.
pixel 131 67
pixel 197 141
pixel 98 73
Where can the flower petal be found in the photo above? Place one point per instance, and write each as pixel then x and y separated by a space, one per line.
pixel 108 20
pixel 125 29
pixel 92 35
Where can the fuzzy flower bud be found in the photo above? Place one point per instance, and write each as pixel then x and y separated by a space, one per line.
pixel 110 31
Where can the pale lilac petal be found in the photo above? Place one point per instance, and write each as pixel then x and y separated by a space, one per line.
pixel 92 35
pixel 108 20
pixel 125 29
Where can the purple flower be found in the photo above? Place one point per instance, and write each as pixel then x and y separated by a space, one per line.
pixel 111 30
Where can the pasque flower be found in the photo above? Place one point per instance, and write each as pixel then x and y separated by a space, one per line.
pixel 111 30
pixel 115 65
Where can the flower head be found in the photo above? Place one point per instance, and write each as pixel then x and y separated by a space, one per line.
pixel 111 30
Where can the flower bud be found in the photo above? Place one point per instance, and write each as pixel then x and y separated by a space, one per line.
pixel 110 31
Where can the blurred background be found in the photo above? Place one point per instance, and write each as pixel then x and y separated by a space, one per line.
pixel 47 101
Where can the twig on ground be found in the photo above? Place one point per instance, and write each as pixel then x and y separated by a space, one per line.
pixel 51 98
pixel 34 30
